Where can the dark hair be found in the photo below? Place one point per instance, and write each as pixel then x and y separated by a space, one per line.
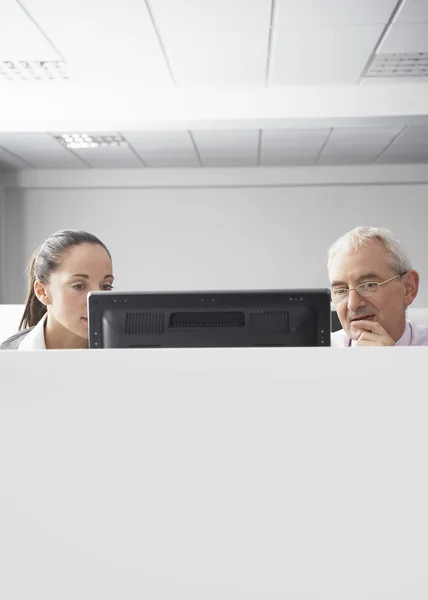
pixel 47 259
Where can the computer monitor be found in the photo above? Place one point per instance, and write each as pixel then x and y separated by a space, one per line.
pixel 209 319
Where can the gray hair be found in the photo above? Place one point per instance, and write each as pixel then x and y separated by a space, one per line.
pixel 398 258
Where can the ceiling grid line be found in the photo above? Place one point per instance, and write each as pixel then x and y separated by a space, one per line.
pixel 259 148
pixel 161 44
pixel 70 150
pixel 42 32
pixel 330 133
pixel 394 139
pixel 196 149
pixel 272 30
pixel 83 161
pixel 16 156
pixel 131 147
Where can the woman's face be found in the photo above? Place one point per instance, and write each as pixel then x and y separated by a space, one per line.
pixel 85 268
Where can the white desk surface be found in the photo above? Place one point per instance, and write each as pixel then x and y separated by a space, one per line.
pixel 214 474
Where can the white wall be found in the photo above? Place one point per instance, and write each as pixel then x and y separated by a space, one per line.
pixel 217 235
pixel 2 236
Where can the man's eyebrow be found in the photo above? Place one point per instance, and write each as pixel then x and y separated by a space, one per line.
pixel 369 276
pixel 366 276
pixel 87 276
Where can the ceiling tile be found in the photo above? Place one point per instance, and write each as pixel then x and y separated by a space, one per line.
pixel 414 135
pixel 104 42
pixel 229 148
pixel 413 11
pixel 322 13
pixel 20 39
pixel 8 161
pixel 222 43
pixel 226 139
pixel 172 162
pixel 229 160
pixel 283 160
pixel 411 38
pixel 362 135
pixel 347 159
pixel 292 146
pixel 359 145
pixel 164 148
pixel 270 153
pixel 410 146
pixel 17 142
pixel 53 160
pixel 349 154
pixel 109 157
pixel 329 55
pixel 395 156
pixel 272 159
pixel 39 149
pixel 293 137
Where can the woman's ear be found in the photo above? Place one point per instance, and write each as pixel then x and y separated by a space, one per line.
pixel 41 293
pixel 411 283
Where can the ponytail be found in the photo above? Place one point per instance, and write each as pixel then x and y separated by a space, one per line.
pixel 34 309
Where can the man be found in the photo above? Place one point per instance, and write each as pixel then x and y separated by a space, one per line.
pixel 372 283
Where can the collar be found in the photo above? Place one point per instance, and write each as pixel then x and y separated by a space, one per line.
pixel 35 339
pixel 406 338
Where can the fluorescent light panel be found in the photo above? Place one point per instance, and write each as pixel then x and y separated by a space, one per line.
pixel 83 140
pixel 33 70
pixel 399 65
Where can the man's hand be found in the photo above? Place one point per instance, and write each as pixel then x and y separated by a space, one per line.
pixel 373 334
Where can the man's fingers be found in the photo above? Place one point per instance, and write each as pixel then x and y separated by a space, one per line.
pixel 373 326
pixel 368 338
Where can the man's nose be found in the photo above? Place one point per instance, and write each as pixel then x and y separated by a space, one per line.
pixel 355 301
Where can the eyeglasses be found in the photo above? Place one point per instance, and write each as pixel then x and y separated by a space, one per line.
pixel 364 289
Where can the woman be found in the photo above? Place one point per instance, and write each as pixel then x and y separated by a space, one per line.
pixel 68 265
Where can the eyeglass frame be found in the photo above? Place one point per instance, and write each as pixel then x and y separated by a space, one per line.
pixel 361 284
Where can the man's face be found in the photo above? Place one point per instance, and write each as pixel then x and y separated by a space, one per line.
pixel 387 305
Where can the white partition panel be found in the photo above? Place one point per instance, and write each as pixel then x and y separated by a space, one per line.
pixel 214 474
pixel 10 317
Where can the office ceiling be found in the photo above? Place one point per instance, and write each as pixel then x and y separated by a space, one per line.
pixel 201 83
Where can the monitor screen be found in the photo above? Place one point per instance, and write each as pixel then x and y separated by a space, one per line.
pixel 209 319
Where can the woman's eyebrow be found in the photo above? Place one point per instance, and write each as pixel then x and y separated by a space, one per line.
pixel 87 276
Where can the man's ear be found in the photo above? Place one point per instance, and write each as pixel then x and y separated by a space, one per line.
pixel 42 293
pixel 411 284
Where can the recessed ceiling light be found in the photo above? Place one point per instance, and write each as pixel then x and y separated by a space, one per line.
pixel 83 140
pixel 399 65
pixel 33 70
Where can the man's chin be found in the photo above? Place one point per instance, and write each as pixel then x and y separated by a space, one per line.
pixel 355 332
